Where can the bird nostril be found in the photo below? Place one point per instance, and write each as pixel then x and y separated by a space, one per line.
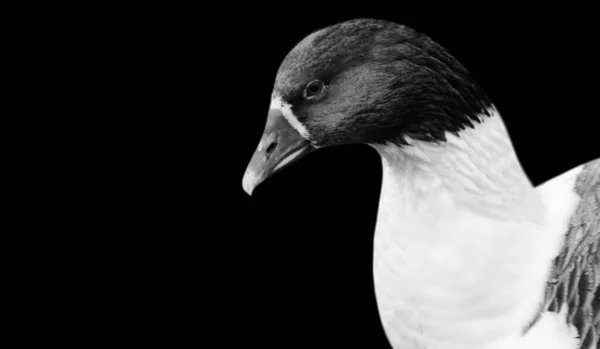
pixel 271 147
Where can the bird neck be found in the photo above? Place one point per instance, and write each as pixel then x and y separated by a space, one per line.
pixel 459 253
pixel 478 169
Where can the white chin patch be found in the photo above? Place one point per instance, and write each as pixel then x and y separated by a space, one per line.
pixel 289 158
pixel 286 110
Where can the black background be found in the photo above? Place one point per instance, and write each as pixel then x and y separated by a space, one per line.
pixel 291 266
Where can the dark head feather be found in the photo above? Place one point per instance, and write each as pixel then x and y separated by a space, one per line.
pixel 385 81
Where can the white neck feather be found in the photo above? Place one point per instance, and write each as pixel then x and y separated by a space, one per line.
pixel 459 256
pixel 479 169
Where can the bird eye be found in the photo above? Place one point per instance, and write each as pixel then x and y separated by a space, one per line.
pixel 314 89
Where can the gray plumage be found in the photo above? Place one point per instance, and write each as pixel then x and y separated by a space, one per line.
pixel 575 278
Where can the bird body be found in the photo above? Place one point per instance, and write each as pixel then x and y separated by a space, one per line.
pixel 464 243
pixel 467 252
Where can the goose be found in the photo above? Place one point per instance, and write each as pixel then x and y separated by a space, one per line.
pixel 467 253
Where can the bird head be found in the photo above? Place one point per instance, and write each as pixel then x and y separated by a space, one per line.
pixel 363 81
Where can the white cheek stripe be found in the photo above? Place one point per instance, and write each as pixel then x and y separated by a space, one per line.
pixel 286 110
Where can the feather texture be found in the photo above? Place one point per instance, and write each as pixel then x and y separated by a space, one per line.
pixel 467 253
pixel 575 278
pixel 464 246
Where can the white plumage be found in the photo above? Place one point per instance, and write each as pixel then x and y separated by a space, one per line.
pixel 467 253
pixel 464 243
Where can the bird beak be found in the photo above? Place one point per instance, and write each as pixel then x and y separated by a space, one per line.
pixel 279 146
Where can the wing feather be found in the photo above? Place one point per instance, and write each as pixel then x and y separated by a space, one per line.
pixel 575 278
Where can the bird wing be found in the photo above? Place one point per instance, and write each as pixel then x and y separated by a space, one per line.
pixel 575 276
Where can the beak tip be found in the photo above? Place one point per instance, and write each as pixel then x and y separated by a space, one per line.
pixel 248 190
pixel 249 182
